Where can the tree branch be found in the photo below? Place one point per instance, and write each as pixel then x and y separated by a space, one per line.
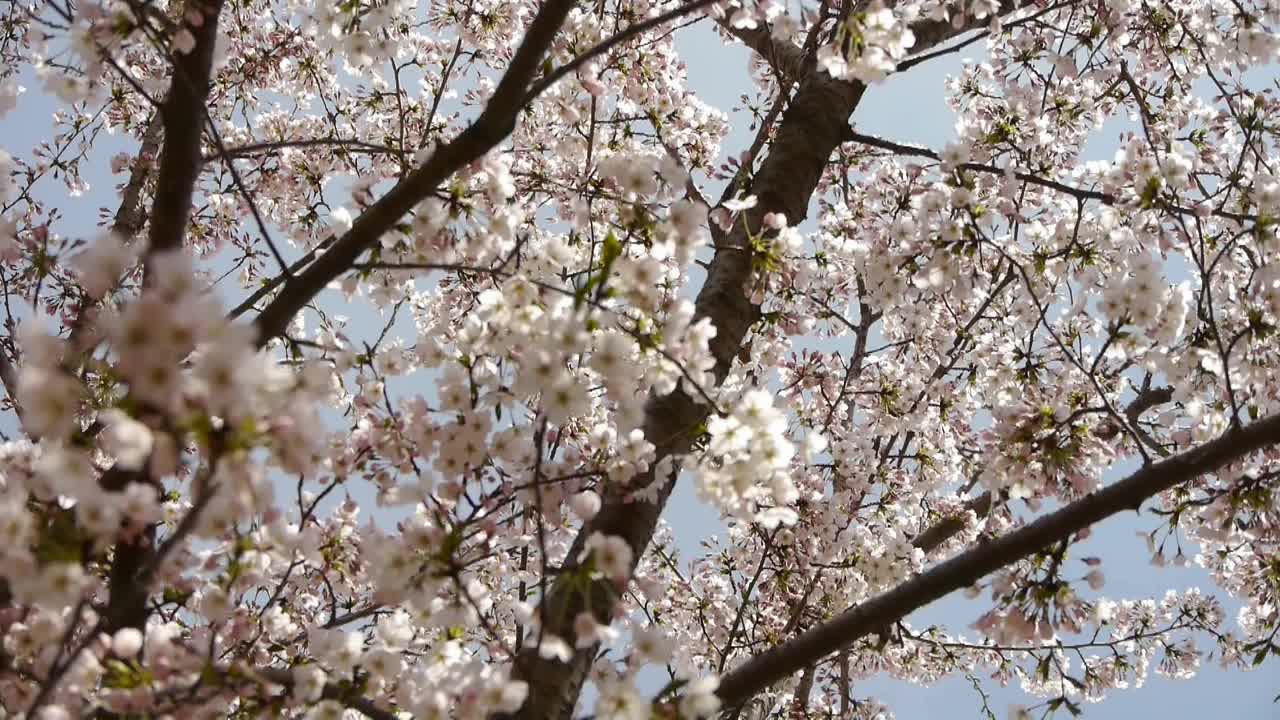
pixel 183 114
pixel 514 92
pixel 898 148
pixel 613 41
pixel 1006 7
pixel 9 377
pixel 331 691
pixel 969 567
pixel 934 536
pixel 495 123
pixel 269 146
pixel 789 61
pixel 928 540
pixel 943 530
pixel 129 217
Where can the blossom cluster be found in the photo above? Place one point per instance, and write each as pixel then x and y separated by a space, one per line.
pixel 746 470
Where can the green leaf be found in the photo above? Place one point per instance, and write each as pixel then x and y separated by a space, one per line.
pixel 612 249
pixel 1150 192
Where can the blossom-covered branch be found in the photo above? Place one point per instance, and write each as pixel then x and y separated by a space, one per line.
pixel 494 123
pixel 967 568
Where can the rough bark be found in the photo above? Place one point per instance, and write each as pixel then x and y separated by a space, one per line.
pixel 183 117
pixel 789 61
pixel 129 217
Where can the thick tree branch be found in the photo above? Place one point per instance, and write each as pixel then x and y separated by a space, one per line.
pixel 183 115
pixel 604 46
pixel 9 377
pixel 789 61
pixel 494 124
pixel 129 216
pixel 971 566
pixel 935 535
pixel 284 678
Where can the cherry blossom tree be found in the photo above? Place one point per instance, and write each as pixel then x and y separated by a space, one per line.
pixel 896 372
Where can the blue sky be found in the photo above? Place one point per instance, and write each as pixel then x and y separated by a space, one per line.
pixel 907 108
